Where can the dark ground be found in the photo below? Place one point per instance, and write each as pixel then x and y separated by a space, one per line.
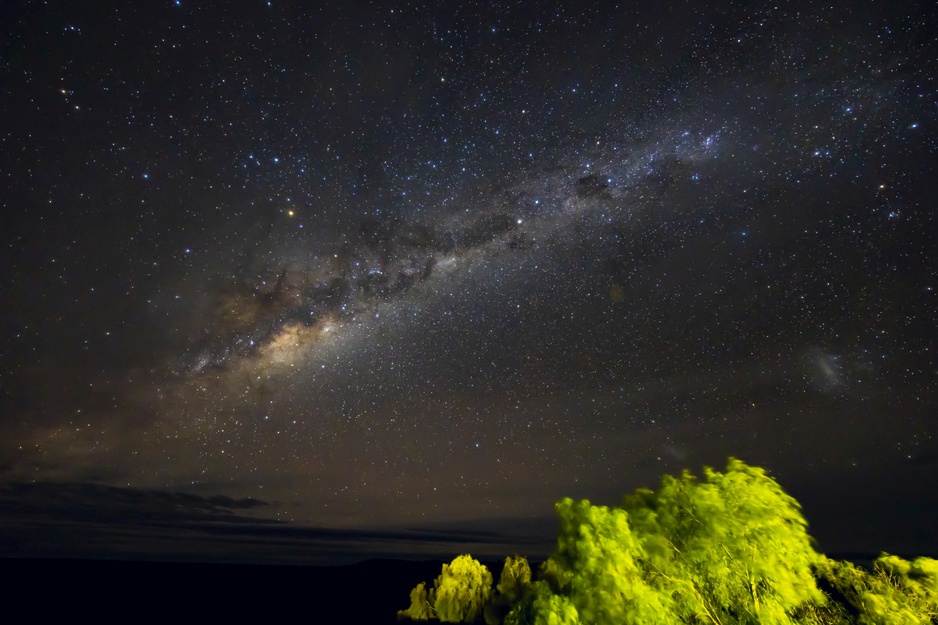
pixel 368 592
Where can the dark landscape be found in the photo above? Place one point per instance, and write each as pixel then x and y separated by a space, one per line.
pixel 368 592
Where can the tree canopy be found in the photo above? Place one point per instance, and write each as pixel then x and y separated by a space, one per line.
pixel 459 595
pixel 730 548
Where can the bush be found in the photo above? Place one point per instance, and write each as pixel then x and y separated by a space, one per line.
pixel 460 593
pixel 420 607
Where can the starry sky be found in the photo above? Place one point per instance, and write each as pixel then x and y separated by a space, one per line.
pixel 429 267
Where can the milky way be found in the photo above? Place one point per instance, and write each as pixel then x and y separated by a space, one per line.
pixel 403 266
pixel 389 255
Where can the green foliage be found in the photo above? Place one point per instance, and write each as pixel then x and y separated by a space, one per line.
pixel 598 568
pixel 895 592
pixel 460 593
pixel 515 578
pixel 462 590
pixel 729 549
pixel 830 613
pixel 512 584
pixel 732 548
pixel 542 607
pixel 420 608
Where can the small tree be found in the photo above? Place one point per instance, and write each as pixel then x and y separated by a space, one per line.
pixel 512 584
pixel 515 578
pixel 460 593
pixel 420 608
pixel 462 590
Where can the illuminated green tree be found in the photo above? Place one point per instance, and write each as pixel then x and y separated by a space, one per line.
pixel 541 606
pixel 420 608
pixel 732 548
pixel 462 590
pixel 515 577
pixel 597 571
pixel 894 592
pixel 459 595
pixel 512 584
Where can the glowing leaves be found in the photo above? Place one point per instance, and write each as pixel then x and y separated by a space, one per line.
pixel 459 595
pixel 513 583
pixel 420 608
pixel 462 590
pixel 543 607
pixel 895 592
pixel 734 539
pixel 598 569
pixel 730 548
pixel 515 578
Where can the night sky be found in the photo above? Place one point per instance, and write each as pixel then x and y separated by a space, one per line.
pixel 380 266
